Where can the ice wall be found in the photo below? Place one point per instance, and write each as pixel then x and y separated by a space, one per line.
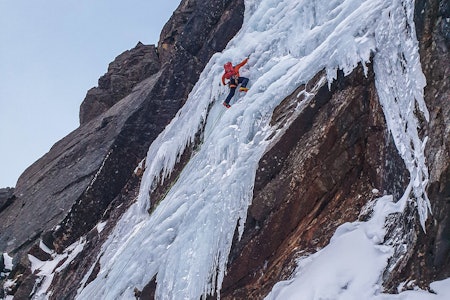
pixel 185 242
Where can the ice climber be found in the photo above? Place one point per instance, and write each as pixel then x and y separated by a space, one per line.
pixel 232 74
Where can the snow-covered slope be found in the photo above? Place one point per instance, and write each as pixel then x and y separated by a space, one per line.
pixel 186 241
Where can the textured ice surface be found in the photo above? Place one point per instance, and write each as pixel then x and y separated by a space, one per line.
pixel 185 242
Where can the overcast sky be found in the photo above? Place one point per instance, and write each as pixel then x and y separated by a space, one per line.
pixel 51 53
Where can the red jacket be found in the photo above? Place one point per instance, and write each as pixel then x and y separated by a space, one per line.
pixel 236 70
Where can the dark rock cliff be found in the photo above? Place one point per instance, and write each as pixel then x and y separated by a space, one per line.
pixel 127 70
pixel 316 176
pixel 63 195
pixel 6 197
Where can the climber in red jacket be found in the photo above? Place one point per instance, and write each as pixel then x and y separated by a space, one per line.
pixel 232 74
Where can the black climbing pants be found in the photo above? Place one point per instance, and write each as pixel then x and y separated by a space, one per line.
pixel 242 81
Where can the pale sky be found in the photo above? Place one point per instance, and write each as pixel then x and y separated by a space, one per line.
pixel 51 53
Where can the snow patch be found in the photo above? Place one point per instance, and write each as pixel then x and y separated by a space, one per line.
pixel 8 284
pixel 101 226
pixel 351 265
pixel 46 270
pixel 44 248
pixel 7 261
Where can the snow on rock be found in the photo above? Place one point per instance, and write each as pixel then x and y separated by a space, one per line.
pixel 350 267
pixel 341 270
pixel 185 242
pixel 8 284
pixel 46 270
pixel 100 226
pixel 7 260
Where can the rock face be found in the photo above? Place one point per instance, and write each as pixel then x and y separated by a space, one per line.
pixel 315 177
pixel 127 70
pixel 6 197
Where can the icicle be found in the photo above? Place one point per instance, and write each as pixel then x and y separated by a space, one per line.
pixel 400 82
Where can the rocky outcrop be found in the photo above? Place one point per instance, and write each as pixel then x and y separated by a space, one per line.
pixel 6 197
pixel 212 23
pixel 65 193
pixel 127 70
pixel 200 28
